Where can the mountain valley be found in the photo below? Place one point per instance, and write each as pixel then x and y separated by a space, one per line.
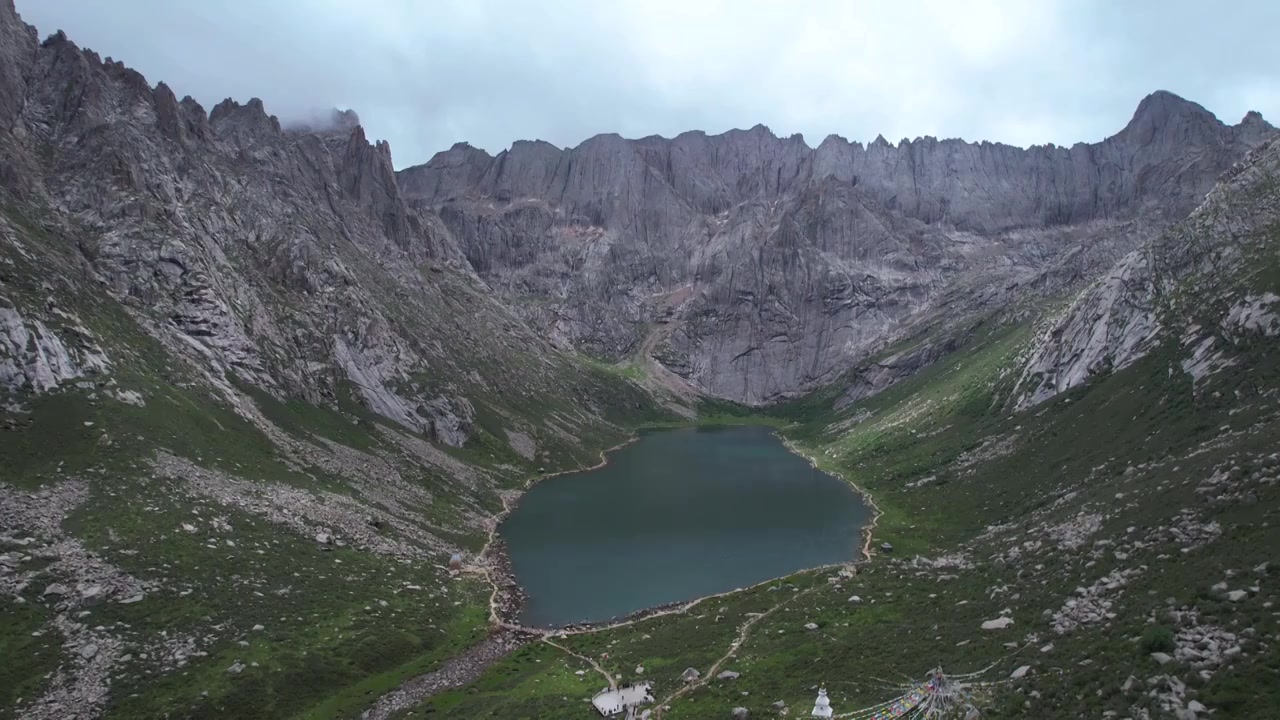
pixel 264 401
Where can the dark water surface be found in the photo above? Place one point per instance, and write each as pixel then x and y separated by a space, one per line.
pixel 677 515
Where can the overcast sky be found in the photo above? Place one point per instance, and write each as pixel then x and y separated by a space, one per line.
pixel 425 75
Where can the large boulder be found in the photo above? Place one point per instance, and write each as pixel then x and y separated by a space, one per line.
pixel 57 589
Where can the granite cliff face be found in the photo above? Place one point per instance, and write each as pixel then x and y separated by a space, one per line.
pixel 1200 285
pixel 285 258
pixel 756 267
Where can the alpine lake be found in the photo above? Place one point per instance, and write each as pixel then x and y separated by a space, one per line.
pixel 674 516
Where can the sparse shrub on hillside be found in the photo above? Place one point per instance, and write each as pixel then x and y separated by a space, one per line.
pixel 1157 638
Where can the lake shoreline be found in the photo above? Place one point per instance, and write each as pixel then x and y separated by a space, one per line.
pixel 507 596
pixel 867 531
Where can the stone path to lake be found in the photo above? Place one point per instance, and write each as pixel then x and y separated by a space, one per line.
pixel 468 667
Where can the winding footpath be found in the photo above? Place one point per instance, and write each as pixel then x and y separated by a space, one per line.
pixel 613 684
pixel 743 633
pixel 486 564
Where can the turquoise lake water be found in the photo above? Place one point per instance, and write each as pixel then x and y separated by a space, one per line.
pixel 676 515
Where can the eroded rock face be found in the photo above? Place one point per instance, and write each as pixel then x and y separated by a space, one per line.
pixel 1179 285
pixel 36 359
pixel 756 267
pixel 978 186
pixel 283 258
pixel 869 379
pixel 1255 315
pixel 753 267
pixel 1110 326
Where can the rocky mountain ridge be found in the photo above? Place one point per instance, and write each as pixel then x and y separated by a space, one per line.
pixel 756 267
pixel 284 256
pixel 981 186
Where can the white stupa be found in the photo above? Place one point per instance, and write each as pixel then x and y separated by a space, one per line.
pixel 822 706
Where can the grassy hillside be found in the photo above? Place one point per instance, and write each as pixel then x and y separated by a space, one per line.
pixel 204 497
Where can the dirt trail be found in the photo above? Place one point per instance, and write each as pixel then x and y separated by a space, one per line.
pixel 613 684
pixel 743 633
pixel 488 565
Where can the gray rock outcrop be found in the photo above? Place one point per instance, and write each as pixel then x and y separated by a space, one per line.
pixel 34 358
pixel 1142 301
pixel 756 267
pixel 999 623
pixel 1111 325
pixel 285 259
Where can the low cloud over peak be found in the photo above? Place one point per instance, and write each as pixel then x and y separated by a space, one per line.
pixel 427 75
